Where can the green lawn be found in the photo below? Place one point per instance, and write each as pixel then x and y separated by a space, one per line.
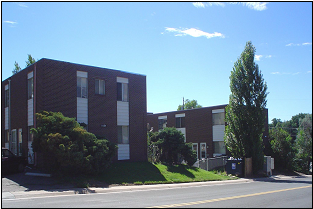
pixel 128 173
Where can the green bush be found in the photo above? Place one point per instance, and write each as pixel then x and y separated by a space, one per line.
pixel 68 146
pixel 171 147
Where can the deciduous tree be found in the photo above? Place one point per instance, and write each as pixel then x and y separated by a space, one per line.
pixel 245 113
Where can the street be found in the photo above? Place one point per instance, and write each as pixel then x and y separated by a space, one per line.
pixel 288 192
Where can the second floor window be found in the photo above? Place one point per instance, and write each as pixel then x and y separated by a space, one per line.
pixel 81 87
pixel 218 118
pixel 30 86
pixel 162 123
pixel 6 98
pixel 180 122
pixel 99 86
pixel 122 92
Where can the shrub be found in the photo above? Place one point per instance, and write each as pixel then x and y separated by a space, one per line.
pixel 68 146
pixel 171 146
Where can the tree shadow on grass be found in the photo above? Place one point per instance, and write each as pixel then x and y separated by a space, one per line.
pixel 133 172
pixel 182 169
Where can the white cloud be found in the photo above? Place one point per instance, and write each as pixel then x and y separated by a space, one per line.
pixel 10 22
pixel 21 4
pixel 193 32
pixel 285 73
pixel 258 57
pixel 303 44
pixel 259 6
pixel 198 4
pixel 310 71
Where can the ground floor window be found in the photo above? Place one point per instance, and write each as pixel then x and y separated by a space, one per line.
pixel 123 134
pixel 195 147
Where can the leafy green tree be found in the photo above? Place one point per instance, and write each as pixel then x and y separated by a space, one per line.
pixel 304 143
pixel 171 146
pixel 282 146
pixel 275 123
pixel 245 113
pixel 17 68
pixel 68 146
pixel 189 104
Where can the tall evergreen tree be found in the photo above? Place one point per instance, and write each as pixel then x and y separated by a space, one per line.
pixel 245 113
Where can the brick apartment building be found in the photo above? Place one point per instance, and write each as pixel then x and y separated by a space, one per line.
pixel 111 102
pixel 204 127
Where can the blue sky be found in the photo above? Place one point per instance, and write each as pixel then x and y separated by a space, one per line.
pixel 185 49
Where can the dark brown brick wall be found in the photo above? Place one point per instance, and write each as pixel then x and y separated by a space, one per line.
pixel 56 91
pixel 199 127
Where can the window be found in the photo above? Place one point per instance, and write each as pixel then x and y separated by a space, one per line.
pixel 6 98
pixel 20 146
pixel 30 135
pixel 30 86
pixel 123 134
pixel 195 148
pixel 100 86
pixel 218 118
pixel 7 136
pixel 81 87
pixel 203 150
pixel 219 147
pixel 162 120
pixel 122 92
pixel 180 122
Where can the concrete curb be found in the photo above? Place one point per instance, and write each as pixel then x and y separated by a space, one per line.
pixel 111 189
pixel 93 190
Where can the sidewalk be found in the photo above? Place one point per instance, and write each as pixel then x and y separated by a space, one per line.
pixel 17 186
pixel 90 190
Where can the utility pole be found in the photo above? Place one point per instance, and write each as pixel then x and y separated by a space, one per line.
pixel 183 103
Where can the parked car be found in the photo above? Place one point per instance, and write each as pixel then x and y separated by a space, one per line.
pixel 11 163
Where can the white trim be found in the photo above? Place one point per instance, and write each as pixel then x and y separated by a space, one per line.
pixel 218 132
pixel 30 112
pixel 82 74
pixel 218 111
pixel 180 115
pixel 122 113
pixel 123 152
pixel 163 117
pixel 30 75
pixel 121 80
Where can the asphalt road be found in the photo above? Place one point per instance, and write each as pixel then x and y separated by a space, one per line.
pixel 290 192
